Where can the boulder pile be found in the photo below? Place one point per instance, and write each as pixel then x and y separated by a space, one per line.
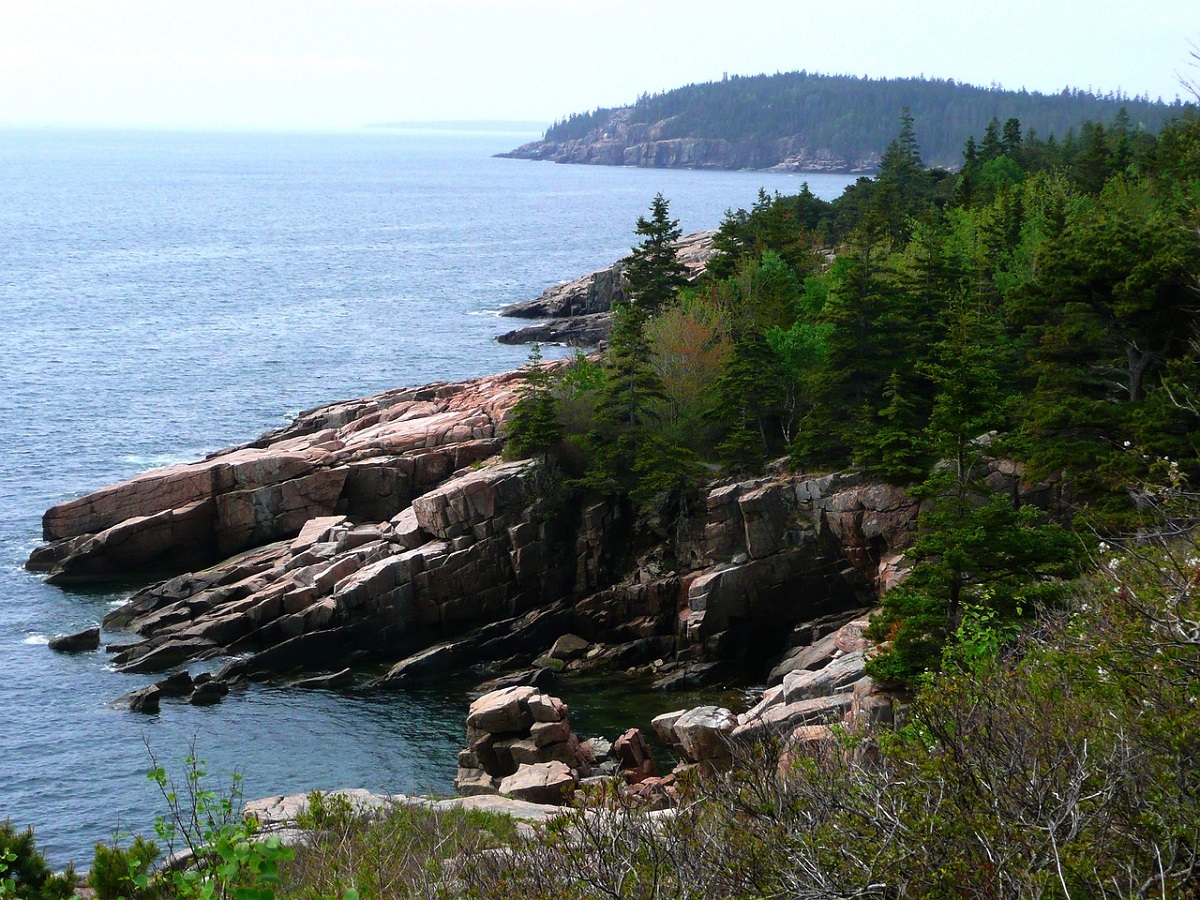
pixel 520 744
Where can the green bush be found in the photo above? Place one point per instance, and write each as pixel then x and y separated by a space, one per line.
pixel 26 875
pixel 396 851
pixel 224 858
pixel 116 870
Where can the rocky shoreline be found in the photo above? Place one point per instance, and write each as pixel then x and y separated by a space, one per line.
pixel 385 542
pixel 390 531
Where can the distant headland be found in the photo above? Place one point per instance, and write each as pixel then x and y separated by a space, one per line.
pixel 808 122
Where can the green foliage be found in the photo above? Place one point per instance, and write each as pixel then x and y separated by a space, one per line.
pixel 325 811
pixel 7 858
pixel 971 551
pixel 690 345
pixel 626 404
pixel 981 634
pixel 632 454
pixel 26 874
pixel 225 859
pixel 532 425
pixel 653 271
pixel 117 871
pixel 786 226
pixel 395 851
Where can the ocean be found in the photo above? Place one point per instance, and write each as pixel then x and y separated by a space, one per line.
pixel 167 294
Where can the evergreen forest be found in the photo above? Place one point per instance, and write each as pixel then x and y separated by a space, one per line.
pixel 854 117
pixel 1039 306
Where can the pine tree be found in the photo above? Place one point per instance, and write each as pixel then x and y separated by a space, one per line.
pixel 532 425
pixel 626 404
pixel 653 271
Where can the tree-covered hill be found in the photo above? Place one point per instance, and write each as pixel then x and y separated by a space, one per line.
pixel 805 120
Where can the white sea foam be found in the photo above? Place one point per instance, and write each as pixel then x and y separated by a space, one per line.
pixel 158 460
pixel 36 639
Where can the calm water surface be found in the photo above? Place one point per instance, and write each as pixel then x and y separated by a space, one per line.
pixel 163 295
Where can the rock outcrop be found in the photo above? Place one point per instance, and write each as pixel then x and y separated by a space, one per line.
pixel 387 530
pixel 577 312
pixel 277 815
pixel 366 459
pixel 520 744
pixel 800 711
pixel 80 641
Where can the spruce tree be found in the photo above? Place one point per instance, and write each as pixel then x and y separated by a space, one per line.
pixel 653 271
pixel 626 404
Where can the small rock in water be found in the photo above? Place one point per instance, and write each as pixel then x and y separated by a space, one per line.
pixel 88 639
pixel 178 685
pixel 342 679
pixel 208 692
pixel 145 700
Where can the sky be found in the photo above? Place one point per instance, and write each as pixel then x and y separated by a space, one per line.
pixel 336 64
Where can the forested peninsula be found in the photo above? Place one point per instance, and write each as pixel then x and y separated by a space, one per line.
pixel 808 122
pixel 915 467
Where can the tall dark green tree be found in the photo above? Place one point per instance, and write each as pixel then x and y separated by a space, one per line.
pixel 653 270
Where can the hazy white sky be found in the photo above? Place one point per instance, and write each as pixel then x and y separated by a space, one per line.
pixel 344 63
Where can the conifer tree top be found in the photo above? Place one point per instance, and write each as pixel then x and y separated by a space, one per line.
pixel 654 272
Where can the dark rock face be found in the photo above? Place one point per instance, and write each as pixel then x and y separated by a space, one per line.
pixel 619 143
pixel 584 330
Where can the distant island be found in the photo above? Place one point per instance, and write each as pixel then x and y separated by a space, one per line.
pixel 808 122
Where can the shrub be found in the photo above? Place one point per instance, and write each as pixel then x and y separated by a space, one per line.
pixel 116 871
pixel 397 851
pixel 221 857
pixel 26 874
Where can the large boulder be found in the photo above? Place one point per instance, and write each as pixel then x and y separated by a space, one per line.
pixel 705 732
pixel 839 675
pixel 503 712
pixel 547 782
pixel 782 718
pixel 633 754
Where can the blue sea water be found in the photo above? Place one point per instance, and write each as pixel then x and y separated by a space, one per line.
pixel 163 295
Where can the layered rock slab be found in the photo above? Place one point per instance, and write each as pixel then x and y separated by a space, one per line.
pixel 577 311
pixel 366 458
pixel 340 588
